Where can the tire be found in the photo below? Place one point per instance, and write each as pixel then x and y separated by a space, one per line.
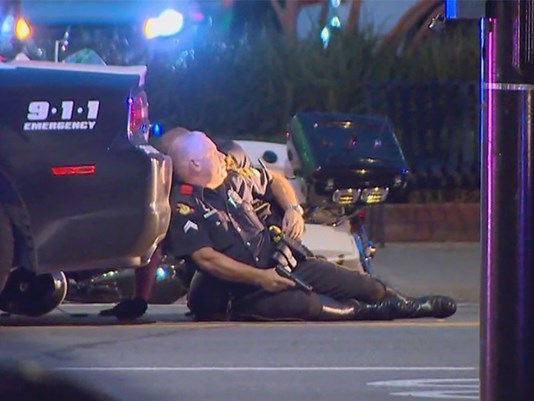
pixel 7 244
pixel 30 295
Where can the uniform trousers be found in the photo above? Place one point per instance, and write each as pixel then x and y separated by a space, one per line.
pixel 211 298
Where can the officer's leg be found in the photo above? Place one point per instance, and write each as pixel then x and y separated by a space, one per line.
pixel 293 305
pixel 341 283
pixel 280 306
pixel 135 307
pixel 208 297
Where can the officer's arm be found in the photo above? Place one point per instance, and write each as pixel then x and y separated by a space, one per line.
pixel 286 197
pixel 226 268
pixel 282 191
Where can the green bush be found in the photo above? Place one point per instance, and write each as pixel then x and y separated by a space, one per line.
pixel 252 88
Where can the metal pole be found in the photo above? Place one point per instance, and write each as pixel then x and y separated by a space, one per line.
pixel 56 50
pixel 507 298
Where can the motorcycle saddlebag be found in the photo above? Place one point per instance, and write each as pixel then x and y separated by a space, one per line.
pixel 345 158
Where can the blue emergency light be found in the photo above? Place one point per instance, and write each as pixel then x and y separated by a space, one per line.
pixel 156 129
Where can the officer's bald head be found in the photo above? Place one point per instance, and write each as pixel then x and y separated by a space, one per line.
pixel 196 159
pixel 165 142
pixel 188 147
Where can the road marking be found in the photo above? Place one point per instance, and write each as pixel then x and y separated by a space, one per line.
pixel 458 388
pixel 261 368
pixel 471 383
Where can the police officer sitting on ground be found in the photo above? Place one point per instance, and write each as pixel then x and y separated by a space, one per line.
pixel 215 227
pixel 208 298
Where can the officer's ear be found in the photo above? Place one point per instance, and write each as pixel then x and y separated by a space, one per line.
pixel 195 163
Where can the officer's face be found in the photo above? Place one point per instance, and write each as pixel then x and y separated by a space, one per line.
pixel 213 165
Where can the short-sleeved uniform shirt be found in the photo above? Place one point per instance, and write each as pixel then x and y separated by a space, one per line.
pixel 223 219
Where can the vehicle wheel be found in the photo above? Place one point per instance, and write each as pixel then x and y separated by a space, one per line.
pixel 33 295
pixel 7 244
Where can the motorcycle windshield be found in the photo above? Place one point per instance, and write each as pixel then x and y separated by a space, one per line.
pixel 367 141
pixel 347 140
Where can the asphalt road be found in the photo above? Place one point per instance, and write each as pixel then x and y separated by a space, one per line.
pixel 165 357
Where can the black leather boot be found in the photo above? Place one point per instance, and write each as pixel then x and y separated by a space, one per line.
pixel 437 306
pixel 387 309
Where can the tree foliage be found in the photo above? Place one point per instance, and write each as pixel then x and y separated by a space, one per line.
pixel 252 87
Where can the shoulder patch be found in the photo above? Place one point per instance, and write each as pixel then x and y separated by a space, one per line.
pixel 184 209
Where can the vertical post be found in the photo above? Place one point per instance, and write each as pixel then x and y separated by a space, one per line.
pixel 56 50
pixel 507 206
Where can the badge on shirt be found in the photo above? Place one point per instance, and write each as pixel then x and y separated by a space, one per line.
pixel 233 198
pixel 184 209
pixel 209 213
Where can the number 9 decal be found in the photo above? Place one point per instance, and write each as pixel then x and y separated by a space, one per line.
pixel 38 111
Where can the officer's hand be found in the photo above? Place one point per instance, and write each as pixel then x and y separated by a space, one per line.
pixel 273 282
pixel 293 224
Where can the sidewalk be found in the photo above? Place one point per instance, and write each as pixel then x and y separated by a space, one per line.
pixel 438 268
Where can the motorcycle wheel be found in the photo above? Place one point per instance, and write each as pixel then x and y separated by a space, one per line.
pixel 7 245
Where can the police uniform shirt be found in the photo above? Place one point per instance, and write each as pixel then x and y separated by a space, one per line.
pixel 223 219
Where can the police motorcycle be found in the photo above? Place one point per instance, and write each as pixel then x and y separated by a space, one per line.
pixel 340 165
pixel 345 163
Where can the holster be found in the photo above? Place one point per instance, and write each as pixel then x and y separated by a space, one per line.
pixel 283 256
pixel 290 250
pixel 300 252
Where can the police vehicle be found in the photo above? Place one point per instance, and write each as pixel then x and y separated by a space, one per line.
pixel 80 187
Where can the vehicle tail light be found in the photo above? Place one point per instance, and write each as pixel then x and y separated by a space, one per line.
pixel 60 171
pixel 138 123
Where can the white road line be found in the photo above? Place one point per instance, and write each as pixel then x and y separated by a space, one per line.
pixel 427 388
pixel 260 368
